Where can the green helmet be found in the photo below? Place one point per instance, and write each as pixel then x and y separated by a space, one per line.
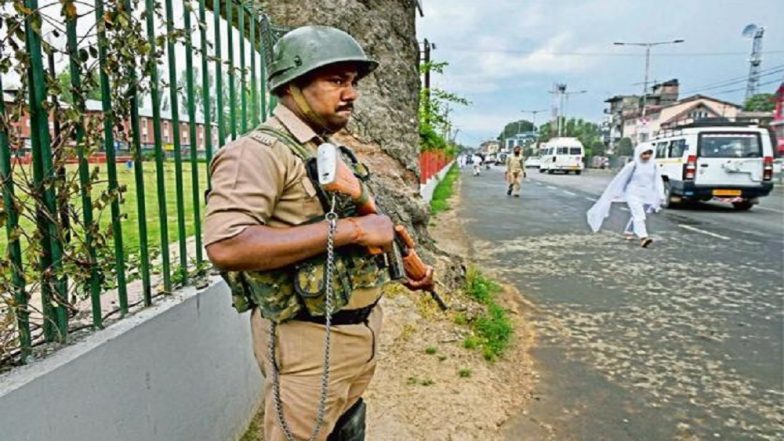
pixel 308 48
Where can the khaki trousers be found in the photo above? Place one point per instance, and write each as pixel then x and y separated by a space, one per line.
pixel 514 179
pixel 300 358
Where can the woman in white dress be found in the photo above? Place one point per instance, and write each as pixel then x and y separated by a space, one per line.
pixel 640 186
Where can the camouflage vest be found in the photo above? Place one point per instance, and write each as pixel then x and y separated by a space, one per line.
pixel 283 293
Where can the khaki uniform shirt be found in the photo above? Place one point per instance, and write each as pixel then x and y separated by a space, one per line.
pixel 514 163
pixel 258 180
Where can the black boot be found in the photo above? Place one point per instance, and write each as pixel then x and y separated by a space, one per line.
pixel 351 425
pixel 509 190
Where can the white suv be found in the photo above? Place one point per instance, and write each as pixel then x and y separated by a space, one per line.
pixel 727 163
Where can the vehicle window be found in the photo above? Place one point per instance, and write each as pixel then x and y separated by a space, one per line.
pixel 661 150
pixel 563 150
pixel 729 145
pixel 575 151
pixel 677 148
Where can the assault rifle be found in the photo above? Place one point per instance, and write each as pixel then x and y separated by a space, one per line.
pixel 335 176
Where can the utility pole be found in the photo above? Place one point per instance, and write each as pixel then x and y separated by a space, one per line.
pixel 533 113
pixel 559 90
pixel 647 46
pixel 426 58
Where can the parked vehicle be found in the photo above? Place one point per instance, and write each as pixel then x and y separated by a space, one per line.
pixel 562 155
pixel 532 162
pixel 728 163
pixel 600 162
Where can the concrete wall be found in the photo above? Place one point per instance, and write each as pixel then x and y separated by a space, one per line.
pixel 181 370
pixel 426 190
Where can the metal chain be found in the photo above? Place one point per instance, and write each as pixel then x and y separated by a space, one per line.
pixel 332 220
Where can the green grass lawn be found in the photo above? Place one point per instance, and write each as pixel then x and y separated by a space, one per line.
pixel 128 205
pixel 444 191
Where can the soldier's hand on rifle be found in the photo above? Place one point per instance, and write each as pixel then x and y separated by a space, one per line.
pixel 426 283
pixel 373 230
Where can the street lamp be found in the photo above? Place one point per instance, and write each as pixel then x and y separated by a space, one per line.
pixel 533 112
pixel 647 46
pixel 427 47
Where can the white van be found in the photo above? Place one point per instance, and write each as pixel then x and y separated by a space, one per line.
pixel 728 163
pixel 562 154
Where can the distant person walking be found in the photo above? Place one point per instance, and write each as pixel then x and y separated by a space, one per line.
pixel 476 161
pixel 640 185
pixel 515 171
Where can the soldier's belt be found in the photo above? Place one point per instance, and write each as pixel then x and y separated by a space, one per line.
pixel 344 317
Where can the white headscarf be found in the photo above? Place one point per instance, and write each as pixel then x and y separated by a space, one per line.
pixel 643 182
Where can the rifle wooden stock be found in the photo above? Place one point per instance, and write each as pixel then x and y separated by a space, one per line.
pixel 414 265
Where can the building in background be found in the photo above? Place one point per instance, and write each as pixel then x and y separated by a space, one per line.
pixel 777 124
pixel 490 147
pixel 622 110
pixel 94 109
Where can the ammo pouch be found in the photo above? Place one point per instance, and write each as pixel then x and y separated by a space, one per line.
pixel 282 293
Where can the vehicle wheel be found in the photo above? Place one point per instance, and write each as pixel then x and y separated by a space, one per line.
pixel 549 172
pixel 578 172
pixel 744 205
pixel 668 203
pixel 541 170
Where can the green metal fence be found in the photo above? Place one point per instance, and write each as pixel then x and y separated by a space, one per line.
pixel 60 249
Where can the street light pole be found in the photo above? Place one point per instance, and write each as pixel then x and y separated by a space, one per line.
pixel 566 103
pixel 647 46
pixel 533 113
pixel 428 46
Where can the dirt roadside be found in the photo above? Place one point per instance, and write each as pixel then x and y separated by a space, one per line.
pixel 428 386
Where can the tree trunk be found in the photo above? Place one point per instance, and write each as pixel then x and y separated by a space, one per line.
pixel 384 131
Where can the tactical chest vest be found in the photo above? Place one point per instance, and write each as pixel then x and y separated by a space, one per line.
pixel 281 294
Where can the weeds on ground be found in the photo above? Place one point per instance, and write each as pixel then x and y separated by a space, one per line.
pixel 492 329
pixel 414 381
pixel 443 191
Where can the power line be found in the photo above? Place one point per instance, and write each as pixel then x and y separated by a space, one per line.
pixel 600 54
pixel 742 77
pixel 744 87
pixel 730 83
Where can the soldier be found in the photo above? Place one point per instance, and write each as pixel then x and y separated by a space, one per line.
pixel 515 171
pixel 266 231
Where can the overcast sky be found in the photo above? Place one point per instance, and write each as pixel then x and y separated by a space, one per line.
pixel 505 55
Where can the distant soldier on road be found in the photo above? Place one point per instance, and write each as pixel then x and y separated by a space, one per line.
pixel 515 172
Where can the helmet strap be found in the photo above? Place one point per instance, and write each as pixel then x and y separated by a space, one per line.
pixel 305 108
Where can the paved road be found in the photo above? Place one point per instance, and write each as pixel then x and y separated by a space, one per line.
pixel 681 341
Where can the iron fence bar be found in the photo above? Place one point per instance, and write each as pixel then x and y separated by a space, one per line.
pixel 138 171
pixel 194 142
pixel 84 173
pixel 254 91
pixel 111 165
pixel 205 87
pixel 175 117
pixel 232 91
pixel 61 198
pixel 14 247
pixel 156 125
pixel 55 317
pixel 243 75
pixel 219 76
pixel 263 73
